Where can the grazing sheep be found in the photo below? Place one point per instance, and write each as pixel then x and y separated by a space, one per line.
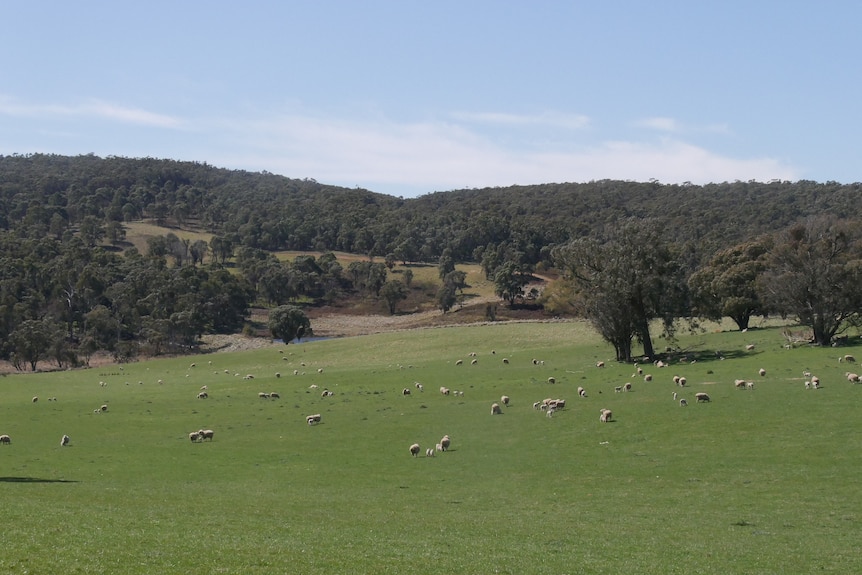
pixel 582 392
pixel 459 362
pixel 248 376
pixel 445 442
pixel 848 358
pixel 206 434
pixel 739 384
pixel 683 402
pixel 203 395
pixel 674 396
pixel 676 379
pixel 600 364
pixel 815 380
pixel 103 408
pixel 326 393
pixel 64 441
pixel 438 447
pixel 537 405
pixel 749 347
pixel 203 388
pixel 505 360
pixel 320 370
pixel 550 412
pixel 648 377
pixel 444 390
pixel 627 387
pixel 429 452
pixel 815 384
pixel 701 396
pixel 853 377
pixel 419 386
pixel 682 381
pixel 749 385
pixel 35 398
pixel 263 395
pixel 807 385
pixel 618 389
pixel 414 449
pixel 505 400
pixel 495 409
pixel 558 403
pixel 194 436
pixel 606 415
pixel 277 374
pixel 274 395
pixel 312 419
pixel 405 391
pixel 552 380
pixel 5 439
pixel 474 362
pixel 762 372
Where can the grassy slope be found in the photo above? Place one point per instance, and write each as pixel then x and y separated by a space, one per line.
pixel 754 482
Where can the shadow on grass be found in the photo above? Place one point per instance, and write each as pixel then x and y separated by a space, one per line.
pixel 33 480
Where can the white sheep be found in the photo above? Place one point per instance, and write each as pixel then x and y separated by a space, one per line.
pixel 429 452
pixel 459 362
pixel 627 387
pixel 762 372
pixel 419 386
pixel 552 380
pixel 274 395
pixel 495 409
pixel 103 408
pixel 505 360
pixel 683 402
pixel 64 441
pixel 739 384
pixel 414 449
pixel 537 405
pixel 600 364
pixel 277 374
pixel 674 396
pixel 853 377
pixel 438 447
pixel 206 434
pixel 35 398
pixel 618 389
pixel 444 390
pixel 749 347
pixel 682 381
pixel 263 395
pixel 606 415
pixel 203 395
pixel 550 412
pixel 701 396
pixel 445 442
pixel 5 439
pixel 749 385
pixel 312 419
pixel 848 358
pixel 582 392
pixel 648 377
pixel 474 362
pixel 505 400
pixel 405 391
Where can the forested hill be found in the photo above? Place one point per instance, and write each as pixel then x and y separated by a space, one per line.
pixel 49 195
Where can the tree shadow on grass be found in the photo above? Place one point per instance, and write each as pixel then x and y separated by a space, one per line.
pixel 34 480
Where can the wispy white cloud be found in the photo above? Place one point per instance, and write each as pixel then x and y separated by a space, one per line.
pixel 90 109
pixel 660 123
pixel 555 119
pixel 440 156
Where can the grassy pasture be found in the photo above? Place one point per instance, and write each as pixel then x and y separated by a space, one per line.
pixel 762 481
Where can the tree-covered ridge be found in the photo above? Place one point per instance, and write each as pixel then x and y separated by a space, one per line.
pixel 47 194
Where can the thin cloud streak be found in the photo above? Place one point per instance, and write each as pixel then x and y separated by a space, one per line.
pixel 554 119
pixel 91 109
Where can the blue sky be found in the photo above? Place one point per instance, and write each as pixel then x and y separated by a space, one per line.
pixel 406 98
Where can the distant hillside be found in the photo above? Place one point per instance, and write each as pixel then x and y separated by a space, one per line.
pixel 49 194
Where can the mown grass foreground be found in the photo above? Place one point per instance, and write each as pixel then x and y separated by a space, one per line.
pixel 760 481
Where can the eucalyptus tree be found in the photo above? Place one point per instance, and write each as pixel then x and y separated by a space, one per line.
pixel 625 280
pixel 815 270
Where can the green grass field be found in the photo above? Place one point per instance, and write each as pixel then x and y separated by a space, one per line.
pixel 761 481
